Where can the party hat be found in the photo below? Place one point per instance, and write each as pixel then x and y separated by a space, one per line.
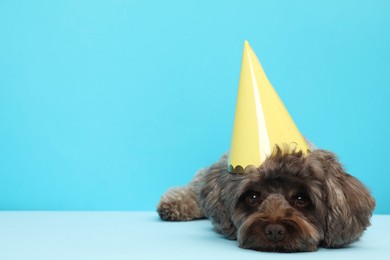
pixel 261 120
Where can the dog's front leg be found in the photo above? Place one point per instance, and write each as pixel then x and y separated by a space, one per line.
pixel 181 204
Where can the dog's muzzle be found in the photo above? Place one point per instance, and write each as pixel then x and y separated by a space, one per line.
pixel 277 226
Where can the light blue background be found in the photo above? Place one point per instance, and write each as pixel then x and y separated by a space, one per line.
pixel 106 104
pixel 141 235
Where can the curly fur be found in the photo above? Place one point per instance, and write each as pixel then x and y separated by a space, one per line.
pixel 337 211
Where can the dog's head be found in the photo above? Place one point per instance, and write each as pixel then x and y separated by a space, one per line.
pixel 295 202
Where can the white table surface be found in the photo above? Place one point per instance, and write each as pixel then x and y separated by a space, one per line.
pixel 141 235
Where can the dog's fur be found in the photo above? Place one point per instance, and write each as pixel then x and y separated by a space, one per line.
pixel 292 202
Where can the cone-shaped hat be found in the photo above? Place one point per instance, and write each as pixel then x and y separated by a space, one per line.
pixel 261 121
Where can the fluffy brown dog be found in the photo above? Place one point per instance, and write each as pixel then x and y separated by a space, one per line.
pixel 292 202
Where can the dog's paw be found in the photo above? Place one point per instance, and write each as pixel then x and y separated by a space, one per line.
pixel 170 211
pixel 179 204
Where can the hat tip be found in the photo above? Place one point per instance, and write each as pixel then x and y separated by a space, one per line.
pixel 247 47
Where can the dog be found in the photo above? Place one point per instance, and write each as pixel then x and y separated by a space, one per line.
pixel 293 202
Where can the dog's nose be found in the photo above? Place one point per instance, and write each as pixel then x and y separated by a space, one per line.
pixel 275 232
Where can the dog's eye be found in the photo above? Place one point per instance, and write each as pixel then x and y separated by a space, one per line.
pixel 252 198
pixel 301 201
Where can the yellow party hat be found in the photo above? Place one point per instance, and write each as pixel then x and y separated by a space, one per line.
pixel 261 120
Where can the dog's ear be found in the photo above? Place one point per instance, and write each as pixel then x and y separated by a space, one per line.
pixel 348 203
pixel 217 195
